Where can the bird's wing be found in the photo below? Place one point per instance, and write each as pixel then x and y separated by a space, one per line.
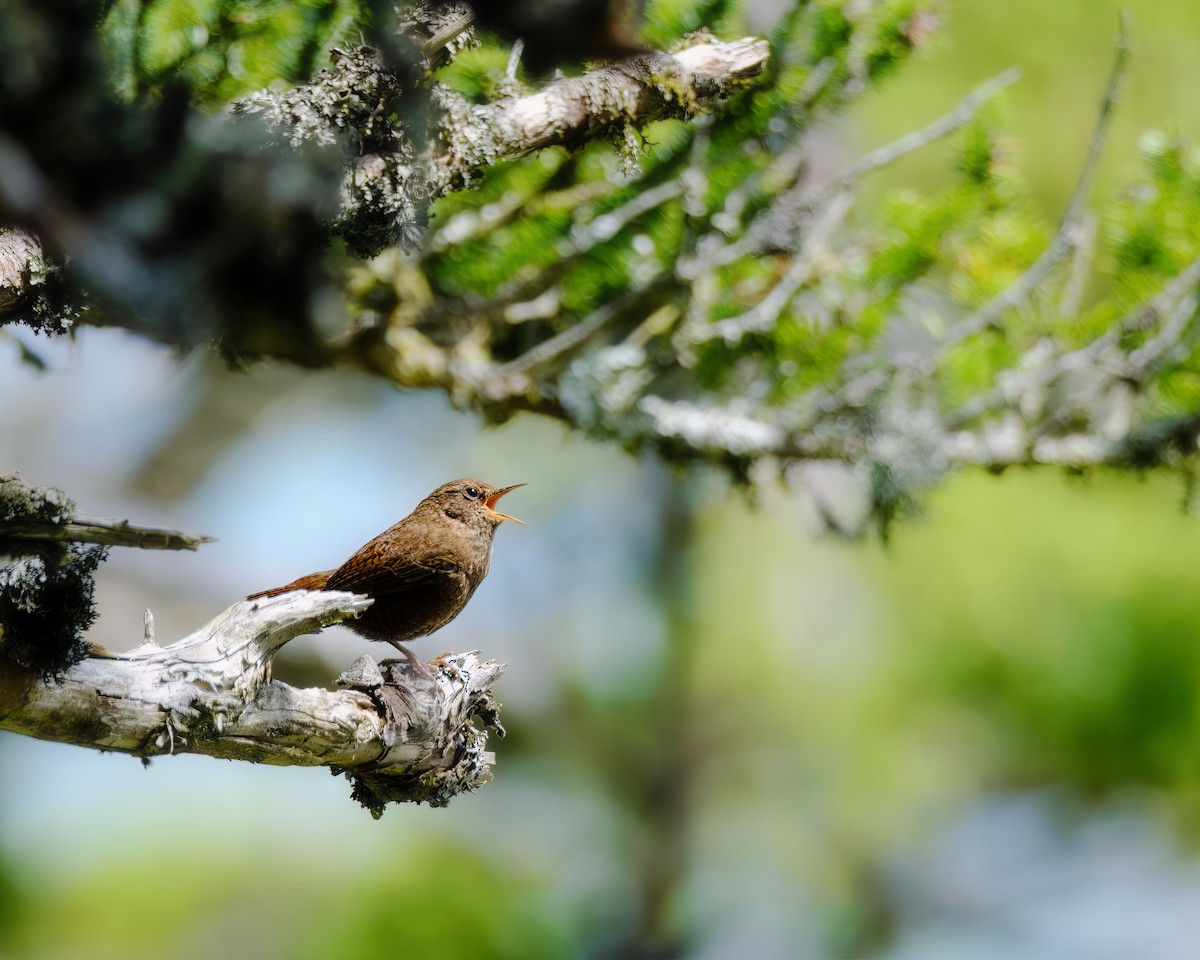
pixel 377 571
pixel 313 581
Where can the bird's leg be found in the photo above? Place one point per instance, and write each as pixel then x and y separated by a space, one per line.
pixel 418 665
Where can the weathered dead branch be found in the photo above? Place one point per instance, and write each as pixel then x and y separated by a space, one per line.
pixel 395 735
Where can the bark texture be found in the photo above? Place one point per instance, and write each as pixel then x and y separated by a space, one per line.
pixel 20 254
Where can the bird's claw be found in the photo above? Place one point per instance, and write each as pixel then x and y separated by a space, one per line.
pixel 443 662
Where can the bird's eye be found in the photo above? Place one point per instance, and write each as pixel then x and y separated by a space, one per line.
pixel 473 493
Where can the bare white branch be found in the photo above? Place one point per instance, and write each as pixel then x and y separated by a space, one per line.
pixel 395 735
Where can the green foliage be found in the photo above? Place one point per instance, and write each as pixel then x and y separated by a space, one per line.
pixel 222 49
pixel 369 925
pixel 14 904
pixel 970 368
pixel 401 902
pixel 476 71
pixel 739 154
pixel 666 21
pixel 830 30
pixel 1090 678
pixel 738 234
pixel 893 40
pixel 1154 225
pixel 809 351
pixel 963 245
pixel 1032 633
pixel 887 281
pixel 553 238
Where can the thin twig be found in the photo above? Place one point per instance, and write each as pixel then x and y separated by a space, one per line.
pixel 514 59
pixel 801 273
pixel 888 154
pixel 1067 234
pixel 113 533
pixel 470 225
pixel 1150 314
pixel 798 206
pixel 1079 268
pixel 1163 304
pixel 608 225
pixel 579 244
pixel 449 32
pixel 511 378
pixel 581 241
pixel 818 77
pixel 1174 341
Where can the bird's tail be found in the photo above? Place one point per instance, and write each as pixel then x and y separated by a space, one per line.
pixel 314 581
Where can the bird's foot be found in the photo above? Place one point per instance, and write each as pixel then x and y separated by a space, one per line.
pixel 413 661
pixel 445 664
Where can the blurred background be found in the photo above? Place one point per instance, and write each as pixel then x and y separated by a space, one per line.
pixel 728 737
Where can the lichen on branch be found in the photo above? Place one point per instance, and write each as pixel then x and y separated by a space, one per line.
pixel 403 153
pixel 47 557
pixel 575 110
pixel 46 587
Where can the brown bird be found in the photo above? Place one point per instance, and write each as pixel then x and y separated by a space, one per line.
pixel 422 571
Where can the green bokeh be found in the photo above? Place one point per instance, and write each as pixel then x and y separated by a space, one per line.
pixel 1065 51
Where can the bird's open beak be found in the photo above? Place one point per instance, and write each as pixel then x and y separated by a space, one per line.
pixel 491 502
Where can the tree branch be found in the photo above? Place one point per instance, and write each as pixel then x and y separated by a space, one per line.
pixel 646 88
pixel 394 735
pixel 110 533
pixel 390 181
pixel 720 307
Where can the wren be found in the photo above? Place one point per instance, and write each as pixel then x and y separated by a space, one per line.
pixel 422 571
